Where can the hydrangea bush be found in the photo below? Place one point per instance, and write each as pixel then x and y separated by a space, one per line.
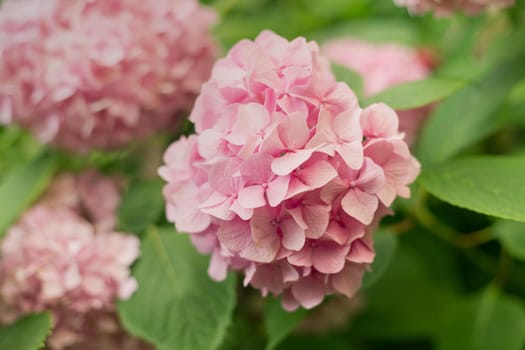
pixel 309 174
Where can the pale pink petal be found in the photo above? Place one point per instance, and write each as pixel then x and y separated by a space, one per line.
pixel 218 268
pixel 318 174
pixel 329 257
pixel 352 154
pixel 290 161
pixel 277 189
pixel 379 120
pixel 316 218
pixel 252 197
pixel 293 131
pixel 262 251
pixel 234 235
pixel 293 235
pixel 257 169
pixel 348 281
pixel 309 292
pixel 302 257
pixel 251 118
pixel 288 301
pixel 360 252
pixel 360 205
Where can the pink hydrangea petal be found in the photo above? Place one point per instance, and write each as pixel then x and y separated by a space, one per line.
pixel 351 153
pixel 250 119
pixel 329 257
pixel 277 189
pixel 290 161
pixel 379 120
pixel 252 197
pixel 288 301
pixel 234 235
pixel 360 205
pixel 293 234
pixel 309 292
pixel 302 258
pixel 360 252
pixel 348 281
pixel 347 125
pixel 257 169
pixel 318 174
pixel 293 131
pixel 219 206
pixel 264 250
pixel 316 218
pixel 218 268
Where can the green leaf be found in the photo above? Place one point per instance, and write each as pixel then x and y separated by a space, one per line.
pixel 469 115
pixel 22 186
pixel 490 321
pixel 28 333
pixel 417 93
pixel 350 77
pixel 141 206
pixel 385 244
pixel 279 323
pixel 408 301
pixel 177 306
pixel 511 234
pixel 487 185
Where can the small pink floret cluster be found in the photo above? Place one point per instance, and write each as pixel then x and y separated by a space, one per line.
pixel 86 74
pixel 286 177
pixel 64 256
pixel 447 7
pixel 383 66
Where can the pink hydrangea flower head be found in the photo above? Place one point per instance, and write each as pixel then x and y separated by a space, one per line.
pixel 447 7
pixel 383 66
pixel 89 194
pixel 287 177
pixel 55 260
pixel 80 75
pixel 64 256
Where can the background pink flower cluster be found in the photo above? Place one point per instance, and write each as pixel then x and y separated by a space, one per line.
pixel 287 177
pixel 64 256
pixel 447 7
pixel 383 66
pixel 86 74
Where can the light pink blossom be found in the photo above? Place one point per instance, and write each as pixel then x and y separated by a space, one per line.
pixel 86 74
pixel 287 177
pixel 64 256
pixel 447 7
pixel 383 66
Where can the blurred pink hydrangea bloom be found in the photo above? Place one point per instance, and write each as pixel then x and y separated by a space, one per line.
pixel 447 7
pixel 287 177
pixel 86 74
pixel 383 66
pixel 64 256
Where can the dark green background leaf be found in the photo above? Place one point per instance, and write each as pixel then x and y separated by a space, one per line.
pixel 490 321
pixel 487 185
pixel 385 244
pixel 177 306
pixel 279 322
pixel 511 234
pixel 22 186
pixel 28 333
pixel 469 115
pixel 416 94
pixel 141 206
